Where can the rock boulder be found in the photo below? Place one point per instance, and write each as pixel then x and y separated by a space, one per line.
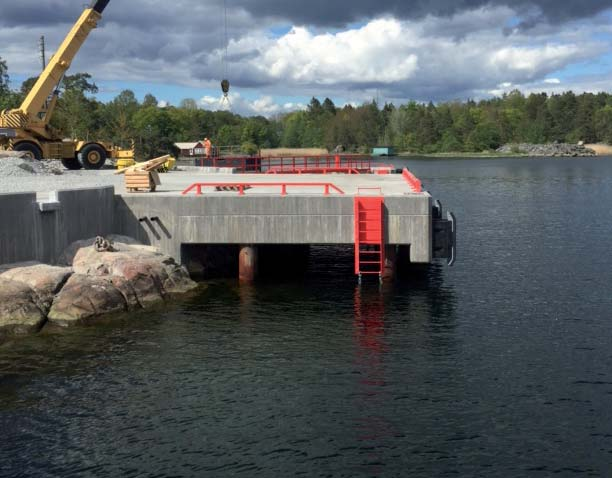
pixel 20 313
pixel 150 275
pixel 45 280
pixel 86 297
pixel 121 243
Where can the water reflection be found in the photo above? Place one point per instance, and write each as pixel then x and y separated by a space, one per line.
pixel 370 347
pixel 408 320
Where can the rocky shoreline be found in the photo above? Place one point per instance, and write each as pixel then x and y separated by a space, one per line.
pixel 90 282
pixel 549 150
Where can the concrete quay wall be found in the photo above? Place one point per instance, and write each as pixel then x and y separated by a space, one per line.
pixel 169 221
pixel 32 230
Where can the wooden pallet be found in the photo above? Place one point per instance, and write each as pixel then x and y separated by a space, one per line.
pixel 137 180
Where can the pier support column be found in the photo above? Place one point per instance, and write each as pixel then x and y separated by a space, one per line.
pixel 390 265
pixel 247 263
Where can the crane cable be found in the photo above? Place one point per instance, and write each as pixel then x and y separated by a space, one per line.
pixel 225 84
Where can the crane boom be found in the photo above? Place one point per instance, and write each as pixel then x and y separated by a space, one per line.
pixel 34 113
pixel 49 80
pixel 27 128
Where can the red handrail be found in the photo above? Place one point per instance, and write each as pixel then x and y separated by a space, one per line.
pixel 291 164
pixel 242 186
pixel 307 170
pixel 363 188
pixel 414 182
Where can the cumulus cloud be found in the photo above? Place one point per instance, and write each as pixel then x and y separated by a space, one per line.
pixel 434 50
pixel 376 53
pixel 263 106
pixel 411 59
pixel 578 84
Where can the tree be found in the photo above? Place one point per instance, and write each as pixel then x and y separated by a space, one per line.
pixel 149 100
pixel 4 77
pixel 603 124
pixel 314 107
pixel 79 82
pixel 293 128
pixel 119 118
pixel 156 131
pixel 76 116
pixel 189 104
pixel 27 85
pixel 450 143
pixel 484 137
pixel 329 106
pixel 8 99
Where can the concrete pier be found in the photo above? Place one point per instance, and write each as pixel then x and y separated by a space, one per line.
pixel 40 227
pixel 391 264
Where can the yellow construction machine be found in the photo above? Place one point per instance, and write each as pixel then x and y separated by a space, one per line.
pixel 27 128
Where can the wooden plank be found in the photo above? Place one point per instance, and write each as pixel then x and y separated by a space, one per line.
pixel 142 184
pixel 146 166
pixel 138 179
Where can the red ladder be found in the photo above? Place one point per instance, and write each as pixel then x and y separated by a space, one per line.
pixel 369 240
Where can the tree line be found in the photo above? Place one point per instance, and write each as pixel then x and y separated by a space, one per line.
pixel 454 126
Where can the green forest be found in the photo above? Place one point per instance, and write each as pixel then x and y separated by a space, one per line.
pixel 454 126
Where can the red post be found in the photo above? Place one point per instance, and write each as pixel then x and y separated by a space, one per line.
pixel 241 190
pixel 199 190
pixel 283 189
pixel 326 192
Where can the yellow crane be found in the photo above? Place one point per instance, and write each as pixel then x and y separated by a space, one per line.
pixel 27 128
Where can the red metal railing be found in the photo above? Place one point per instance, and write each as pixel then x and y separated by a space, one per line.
pixel 371 190
pixel 240 187
pixel 293 164
pixel 414 182
pixel 244 164
pixel 311 170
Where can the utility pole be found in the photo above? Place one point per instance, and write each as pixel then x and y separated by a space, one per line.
pixel 41 44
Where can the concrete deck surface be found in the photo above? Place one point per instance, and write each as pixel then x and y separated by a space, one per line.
pixel 173 183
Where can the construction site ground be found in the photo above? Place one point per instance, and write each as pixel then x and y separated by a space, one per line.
pixel 174 182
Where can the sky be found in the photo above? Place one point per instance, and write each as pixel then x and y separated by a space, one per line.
pixel 281 53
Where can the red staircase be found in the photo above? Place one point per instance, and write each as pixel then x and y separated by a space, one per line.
pixel 369 240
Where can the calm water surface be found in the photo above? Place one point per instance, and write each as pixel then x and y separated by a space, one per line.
pixel 500 366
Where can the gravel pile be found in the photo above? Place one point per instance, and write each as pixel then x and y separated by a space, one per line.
pixel 25 175
pixel 16 167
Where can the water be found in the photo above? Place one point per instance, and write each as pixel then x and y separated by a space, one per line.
pixel 500 366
